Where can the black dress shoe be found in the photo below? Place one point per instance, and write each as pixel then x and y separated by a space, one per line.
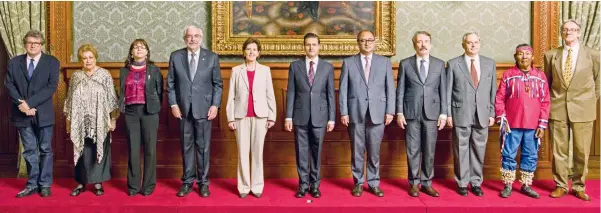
pixel 300 193
pixel 462 191
pixel 78 191
pixel 477 191
pixel 99 191
pixel 204 191
pixel 45 192
pixel 184 190
pixel 357 191
pixel 132 193
pixel 147 193
pixel 377 191
pixel 315 193
pixel 26 192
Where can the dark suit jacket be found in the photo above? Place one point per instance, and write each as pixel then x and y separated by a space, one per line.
pixel 200 94
pixel 37 92
pixel 411 90
pixel 304 101
pixel 153 90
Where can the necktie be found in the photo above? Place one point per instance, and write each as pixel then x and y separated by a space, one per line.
pixel 311 73
pixel 422 70
pixel 366 69
pixel 474 74
pixel 567 69
pixel 193 66
pixel 30 69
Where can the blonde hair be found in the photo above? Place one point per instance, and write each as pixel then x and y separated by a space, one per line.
pixel 86 48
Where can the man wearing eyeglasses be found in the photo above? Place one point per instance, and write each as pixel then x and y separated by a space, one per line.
pixel 31 81
pixel 367 101
pixel 573 74
pixel 194 88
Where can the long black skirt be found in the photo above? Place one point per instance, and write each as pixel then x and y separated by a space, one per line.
pixel 88 170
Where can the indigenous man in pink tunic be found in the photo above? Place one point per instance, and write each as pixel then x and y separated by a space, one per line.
pixel 522 110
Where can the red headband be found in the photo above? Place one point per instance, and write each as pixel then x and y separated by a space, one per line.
pixel 527 48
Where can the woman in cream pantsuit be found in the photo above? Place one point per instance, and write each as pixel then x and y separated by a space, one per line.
pixel 250 112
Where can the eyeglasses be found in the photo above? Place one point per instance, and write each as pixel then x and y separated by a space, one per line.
pixel 140 48
pixel 33 43
pixel 368 41
pixel 195 36
pixel 573 30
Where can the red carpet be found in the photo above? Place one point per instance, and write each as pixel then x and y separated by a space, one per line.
pixel 278 196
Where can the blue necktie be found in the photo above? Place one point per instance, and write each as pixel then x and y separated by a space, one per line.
pixel 30 69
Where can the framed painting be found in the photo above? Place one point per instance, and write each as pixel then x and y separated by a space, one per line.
pixel 281 25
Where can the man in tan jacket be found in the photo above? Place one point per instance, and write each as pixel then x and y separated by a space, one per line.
pixel 573 74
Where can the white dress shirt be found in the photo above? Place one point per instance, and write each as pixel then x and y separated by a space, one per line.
pixel 468 62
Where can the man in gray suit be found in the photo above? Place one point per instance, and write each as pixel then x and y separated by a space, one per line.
pixel 471 93
pixel 421 106
pixel 194 89
pixel 367 99
pixel 310 108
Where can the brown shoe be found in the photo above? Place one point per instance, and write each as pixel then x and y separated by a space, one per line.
pixel 430 191
pixel 558 192
pixel 414 191
pixel 581 195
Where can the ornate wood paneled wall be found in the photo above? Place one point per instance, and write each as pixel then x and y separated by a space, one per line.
pixel 279 146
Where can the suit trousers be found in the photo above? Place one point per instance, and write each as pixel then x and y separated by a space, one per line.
pixel 141 130
pixel 37 152
pixel 583 134
pixel 308 141
pixel 366 136
pixel 420 137
pixel 469 146
pixel 195 136
pixel 250 136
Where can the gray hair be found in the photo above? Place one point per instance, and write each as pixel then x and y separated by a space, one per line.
pixel 34 34
pixel 469 33
pixel 420 33
pixel 568 21
pixel 192 26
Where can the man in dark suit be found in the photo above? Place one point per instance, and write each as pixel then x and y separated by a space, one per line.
pixel 471 91
pixel 421 106
pixel 367 99
pixel 310 108
pixel 194 88
pixel 31 81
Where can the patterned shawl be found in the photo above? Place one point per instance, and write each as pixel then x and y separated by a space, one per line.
pixel 88 106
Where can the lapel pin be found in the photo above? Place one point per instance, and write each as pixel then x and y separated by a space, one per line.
pixel 203 59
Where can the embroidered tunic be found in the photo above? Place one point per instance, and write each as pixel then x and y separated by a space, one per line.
pixel 523 99
pixel 88 106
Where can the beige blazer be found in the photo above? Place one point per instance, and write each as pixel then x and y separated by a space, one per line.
pixel 264 99
pixel 578 101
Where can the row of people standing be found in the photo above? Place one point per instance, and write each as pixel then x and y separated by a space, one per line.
pixel 425 100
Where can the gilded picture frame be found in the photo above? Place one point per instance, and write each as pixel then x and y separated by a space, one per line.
pixel 280 26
